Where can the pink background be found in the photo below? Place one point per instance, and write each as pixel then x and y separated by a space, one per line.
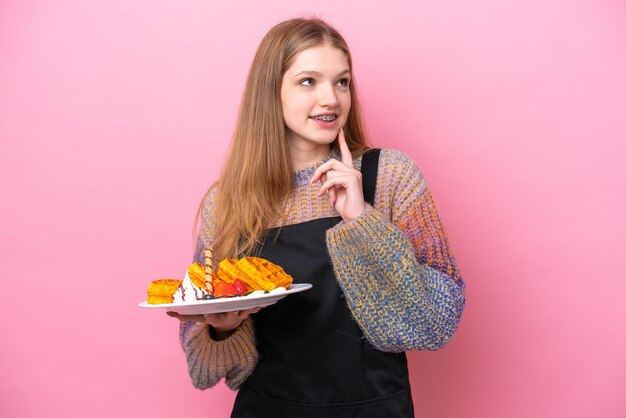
pixel 115 115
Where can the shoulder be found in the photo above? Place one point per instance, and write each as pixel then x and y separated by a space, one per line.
pixel 392 158
pixel 399 183
pixel 398 168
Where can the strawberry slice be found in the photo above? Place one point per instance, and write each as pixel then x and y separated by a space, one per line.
pixel 223 289
pixel 240 287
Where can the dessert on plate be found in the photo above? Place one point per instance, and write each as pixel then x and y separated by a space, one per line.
pixel 162 290
pixel 243 277
pixel 256 273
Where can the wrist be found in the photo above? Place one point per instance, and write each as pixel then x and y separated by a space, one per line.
pixel 219 334
pixel 356 214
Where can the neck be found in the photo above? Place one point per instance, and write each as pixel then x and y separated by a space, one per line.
pixel 305 155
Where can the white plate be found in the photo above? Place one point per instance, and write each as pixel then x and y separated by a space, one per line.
pixel 228 304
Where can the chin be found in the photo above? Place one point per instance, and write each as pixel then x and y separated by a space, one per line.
pixel 325 138
pixel 324 141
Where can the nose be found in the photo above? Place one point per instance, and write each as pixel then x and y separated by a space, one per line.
pixel 327 95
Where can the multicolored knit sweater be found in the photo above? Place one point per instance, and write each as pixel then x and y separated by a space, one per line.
pixel 393 264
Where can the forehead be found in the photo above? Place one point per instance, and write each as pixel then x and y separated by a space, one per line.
pixel 322 58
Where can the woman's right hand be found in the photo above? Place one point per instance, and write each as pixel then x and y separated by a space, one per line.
pixel 224 323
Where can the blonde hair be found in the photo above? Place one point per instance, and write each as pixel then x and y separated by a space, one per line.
pixel 257 177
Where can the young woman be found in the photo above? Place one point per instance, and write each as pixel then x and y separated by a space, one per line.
pixel 301 188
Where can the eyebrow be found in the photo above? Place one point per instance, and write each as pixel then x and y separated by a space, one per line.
pixel 317 73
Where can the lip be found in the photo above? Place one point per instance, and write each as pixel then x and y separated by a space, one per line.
pixel 325 114
pixel 326 124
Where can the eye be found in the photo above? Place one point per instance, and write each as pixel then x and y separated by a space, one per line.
pixel 307 82
pixel 344 82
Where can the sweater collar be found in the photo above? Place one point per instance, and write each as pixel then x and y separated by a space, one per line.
pixel 303 176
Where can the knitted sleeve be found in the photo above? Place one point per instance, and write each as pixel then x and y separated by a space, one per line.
pixel 209 360
pixel 394 264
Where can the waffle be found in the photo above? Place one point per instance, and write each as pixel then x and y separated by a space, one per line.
pixel 197 276
pixel 162 290
pixel 256 273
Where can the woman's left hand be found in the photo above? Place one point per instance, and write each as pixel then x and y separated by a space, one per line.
pixel 342 183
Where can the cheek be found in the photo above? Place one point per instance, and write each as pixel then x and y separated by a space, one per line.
pixel 290 112
pixel 287 105
pixel 346 103
pixel 296 106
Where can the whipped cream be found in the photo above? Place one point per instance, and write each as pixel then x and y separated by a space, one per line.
pixel 188 292
pixel 257 293
pixel 279 289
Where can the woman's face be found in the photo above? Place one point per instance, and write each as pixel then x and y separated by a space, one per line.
pixel 315 97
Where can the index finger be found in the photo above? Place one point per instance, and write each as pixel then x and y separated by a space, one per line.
pixel 346 155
